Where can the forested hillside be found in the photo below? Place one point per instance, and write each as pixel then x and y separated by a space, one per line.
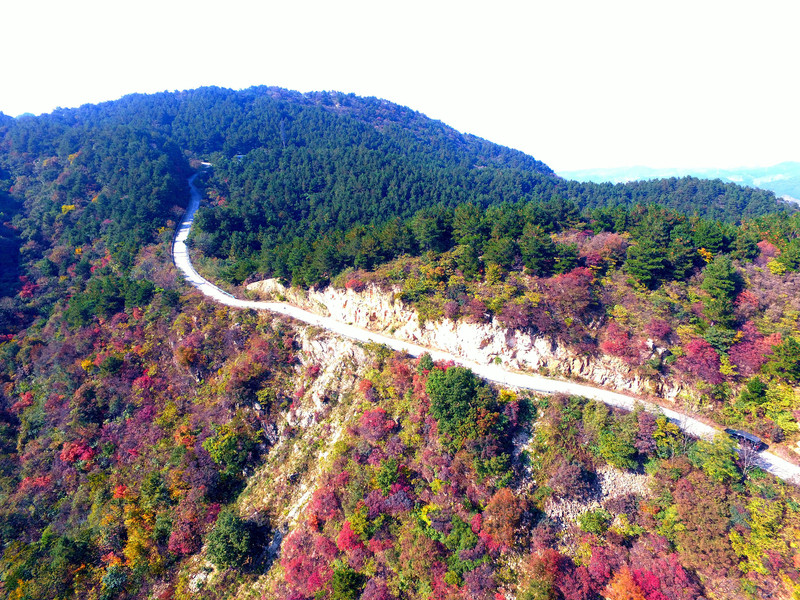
pixel 296 173
pixel 783 178
pixel 154 445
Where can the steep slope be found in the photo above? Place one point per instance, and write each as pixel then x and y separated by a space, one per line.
pixel 489 350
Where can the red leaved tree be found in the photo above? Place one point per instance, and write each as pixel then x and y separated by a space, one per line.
pixel 347 539
pixel 306 559
pixel 619 342
pixel 375 424
pixel 700 359
pixel 75 451
pixel 502 516
pixel 753 350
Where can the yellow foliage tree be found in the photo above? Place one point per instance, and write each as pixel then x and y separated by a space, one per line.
pixel 766 520
pixel 140 551
pixel 705 255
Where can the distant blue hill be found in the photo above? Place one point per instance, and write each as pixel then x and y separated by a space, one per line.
pixel 783 179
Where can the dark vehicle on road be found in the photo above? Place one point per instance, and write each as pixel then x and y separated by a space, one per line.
pixel 747 438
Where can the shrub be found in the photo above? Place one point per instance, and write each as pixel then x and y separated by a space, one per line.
pixel 476 311
pixel 658 328
pixel 307 559
pixel 376 589
pixel 355 284
pixel 515 315
pixel 479 583
pixel 595 521
pixel 451 309
pixel 644 442
pixel 568 480
pixel 767 250
pixel 752 350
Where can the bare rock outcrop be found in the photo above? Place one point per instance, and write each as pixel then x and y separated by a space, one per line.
pixel 382 311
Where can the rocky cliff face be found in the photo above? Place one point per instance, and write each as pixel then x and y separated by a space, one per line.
pixel 485 343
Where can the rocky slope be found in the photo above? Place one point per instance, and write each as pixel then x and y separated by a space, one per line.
pixel 487 343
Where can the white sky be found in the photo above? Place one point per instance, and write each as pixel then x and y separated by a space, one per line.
pixel 576 84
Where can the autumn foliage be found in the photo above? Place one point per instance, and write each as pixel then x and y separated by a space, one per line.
pixel 147 433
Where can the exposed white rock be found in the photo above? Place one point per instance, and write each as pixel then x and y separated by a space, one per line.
pixel 484 343
pixel 336 357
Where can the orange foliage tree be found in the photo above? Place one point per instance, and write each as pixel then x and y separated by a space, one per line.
pixel 623 587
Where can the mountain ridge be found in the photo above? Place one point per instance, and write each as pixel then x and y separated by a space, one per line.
pixel 782 178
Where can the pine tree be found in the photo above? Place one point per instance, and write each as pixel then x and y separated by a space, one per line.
pixel 538 250
pixel 721 282
pixel 646 262
pixel 229 542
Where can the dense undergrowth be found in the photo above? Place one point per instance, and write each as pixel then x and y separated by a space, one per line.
pixel 438 486
pixel 725 336
pixel 124 438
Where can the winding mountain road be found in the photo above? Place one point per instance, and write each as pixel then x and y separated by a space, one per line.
pixel 766 460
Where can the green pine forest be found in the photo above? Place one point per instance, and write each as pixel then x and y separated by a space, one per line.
pixel 155 445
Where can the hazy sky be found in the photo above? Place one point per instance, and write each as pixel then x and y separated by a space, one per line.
pixel 577 84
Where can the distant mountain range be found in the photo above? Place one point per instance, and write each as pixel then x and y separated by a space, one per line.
pixel 783 178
